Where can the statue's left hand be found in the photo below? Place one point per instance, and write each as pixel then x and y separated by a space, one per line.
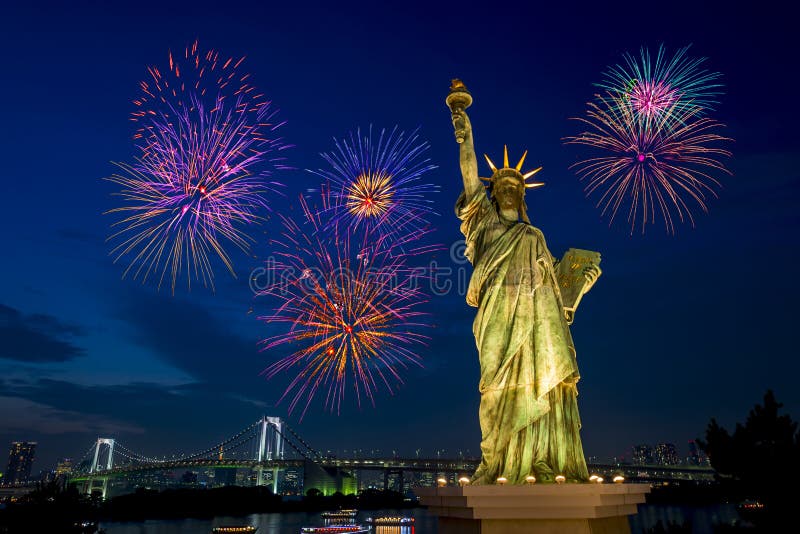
pixel 592 273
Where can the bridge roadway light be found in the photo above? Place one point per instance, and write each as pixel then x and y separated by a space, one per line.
pixel 619 479
pixel 441 482
pixel 463 481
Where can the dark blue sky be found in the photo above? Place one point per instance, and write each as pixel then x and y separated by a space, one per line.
pixel 678 329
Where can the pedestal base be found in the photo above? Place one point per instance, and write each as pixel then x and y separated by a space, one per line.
pixel 542 508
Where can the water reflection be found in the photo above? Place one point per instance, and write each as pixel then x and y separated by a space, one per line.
pixel 697 520
pixel 396 529
pixel 702 520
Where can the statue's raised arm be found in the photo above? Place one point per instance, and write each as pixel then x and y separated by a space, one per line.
pixel 458 101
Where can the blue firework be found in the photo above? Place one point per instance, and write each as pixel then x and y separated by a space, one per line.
pixel 378 183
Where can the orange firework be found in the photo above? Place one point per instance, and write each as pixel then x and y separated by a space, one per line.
pixel 351 304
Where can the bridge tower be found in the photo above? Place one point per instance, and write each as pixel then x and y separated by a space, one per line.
pixel 109 464
pixel 270 447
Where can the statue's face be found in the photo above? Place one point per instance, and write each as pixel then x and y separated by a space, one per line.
pixel 508 193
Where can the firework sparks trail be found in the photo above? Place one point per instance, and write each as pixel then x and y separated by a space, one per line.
pixel 654 87
pixel 661 163
pixel 379 184
pixel 351 304
pixel 207 147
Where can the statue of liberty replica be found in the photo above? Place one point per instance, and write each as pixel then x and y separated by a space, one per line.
pixel 526 301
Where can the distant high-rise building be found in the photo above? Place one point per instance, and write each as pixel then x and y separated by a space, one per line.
pixel 665 454
pixel 642 454
pixel 20 461
pixel 224 476
pixel 189 478
pixel 292 482
pixel 64 467
pixel 694 453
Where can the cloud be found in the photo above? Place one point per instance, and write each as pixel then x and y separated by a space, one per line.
pixel 185 335
pixel 149 418
pixel 36 338
pixel 23 415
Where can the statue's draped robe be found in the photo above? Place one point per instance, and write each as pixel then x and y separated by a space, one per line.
pixel 528 411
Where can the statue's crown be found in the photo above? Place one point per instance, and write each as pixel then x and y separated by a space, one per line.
pixel 512 172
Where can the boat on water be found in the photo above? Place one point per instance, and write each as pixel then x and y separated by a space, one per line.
pixel 751 510
pixel 391 521
pixel 234 529
pixel 750 505
pixel 336 529
pixel 339 514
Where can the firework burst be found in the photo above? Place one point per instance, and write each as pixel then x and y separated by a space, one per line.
pixel 207 146
pixel 657 164
pixel 662 87
pixel 351 304
pixel 379 184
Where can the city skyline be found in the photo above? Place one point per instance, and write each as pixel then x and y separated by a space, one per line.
pixel 643 454
pixel 678 329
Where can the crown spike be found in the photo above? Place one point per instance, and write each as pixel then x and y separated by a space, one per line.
pixel 491 165
pixel 521 160
pixel 534 185
pixel 531 173
pixel 505 156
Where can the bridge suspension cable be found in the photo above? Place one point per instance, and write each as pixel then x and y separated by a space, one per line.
pixel 240 443
pixel 86 454
pixel 295 447
pixel 132 455
pixel 301 440
pixel 217 446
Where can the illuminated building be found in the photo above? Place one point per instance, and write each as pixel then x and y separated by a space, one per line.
pixel 665 454
pixel 642 455
pixel 64 467
pixel 20 461
pixel 696 456
pixel 292 482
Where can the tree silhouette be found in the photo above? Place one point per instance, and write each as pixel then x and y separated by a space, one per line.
pixel 760 459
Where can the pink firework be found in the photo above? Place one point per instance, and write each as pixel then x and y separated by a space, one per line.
pixel 663 164
pixel 662 86
pixel 652 99
pixel 350 306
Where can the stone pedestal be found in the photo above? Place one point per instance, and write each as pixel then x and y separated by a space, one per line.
pixel 535 509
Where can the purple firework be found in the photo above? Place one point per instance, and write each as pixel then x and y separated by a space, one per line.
pixel 202 174
pixel 661 164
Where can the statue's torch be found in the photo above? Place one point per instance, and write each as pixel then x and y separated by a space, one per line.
pixel 458 100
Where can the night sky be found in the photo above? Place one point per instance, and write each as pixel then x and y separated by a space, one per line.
pixel 678 329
